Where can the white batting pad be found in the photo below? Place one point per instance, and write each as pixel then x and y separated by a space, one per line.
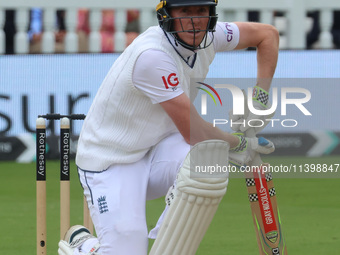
pixel 194 200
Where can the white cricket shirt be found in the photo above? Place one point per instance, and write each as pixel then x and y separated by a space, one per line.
pixel 125 119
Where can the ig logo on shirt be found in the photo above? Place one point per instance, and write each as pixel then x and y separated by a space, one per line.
pixel 171 81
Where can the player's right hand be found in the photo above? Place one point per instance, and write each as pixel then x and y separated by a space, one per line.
pixel 247 148
pixel 241 123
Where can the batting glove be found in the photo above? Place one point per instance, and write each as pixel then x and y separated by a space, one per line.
pixel 75 237
pixel 258 122
pixel 247 148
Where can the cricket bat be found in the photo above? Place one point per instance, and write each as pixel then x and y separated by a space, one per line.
pixel 262 198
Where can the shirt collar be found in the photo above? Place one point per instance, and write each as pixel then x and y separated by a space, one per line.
pixel 185 53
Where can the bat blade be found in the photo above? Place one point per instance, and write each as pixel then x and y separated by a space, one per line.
pixel 266 217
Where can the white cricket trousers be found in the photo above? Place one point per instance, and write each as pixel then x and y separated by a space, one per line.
pixel 117 197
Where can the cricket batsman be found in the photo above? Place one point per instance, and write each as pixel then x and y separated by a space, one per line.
pixel 142 137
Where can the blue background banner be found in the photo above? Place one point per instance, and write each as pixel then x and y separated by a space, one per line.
pixel 38 84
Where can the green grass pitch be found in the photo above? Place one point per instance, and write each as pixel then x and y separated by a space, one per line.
pixel 309 207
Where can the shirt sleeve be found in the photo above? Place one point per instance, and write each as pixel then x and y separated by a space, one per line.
pixel 155 74
pixel 227 36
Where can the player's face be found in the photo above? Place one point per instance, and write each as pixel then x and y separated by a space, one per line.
pixel 193 20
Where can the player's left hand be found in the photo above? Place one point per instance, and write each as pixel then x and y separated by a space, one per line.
pixel 251 120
